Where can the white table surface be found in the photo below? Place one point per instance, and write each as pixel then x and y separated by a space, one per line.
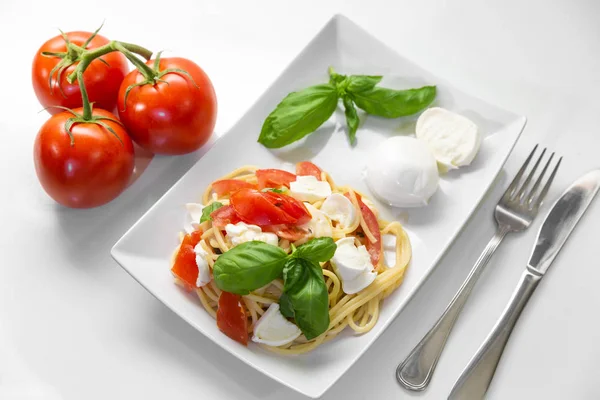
pixel 74 325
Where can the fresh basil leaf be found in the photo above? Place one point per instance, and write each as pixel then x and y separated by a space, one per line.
pixel 276 190
pixel 293 275
pixel 248 266
pixel 298 115
pixel 391 103
pixel 309 298
pixel 351 119
pixel 335 78
pixel 206 211
pixel 285 306
pixel 361 83
pixel 317 249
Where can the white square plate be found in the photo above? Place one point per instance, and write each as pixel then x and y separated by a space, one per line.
pixel 145 250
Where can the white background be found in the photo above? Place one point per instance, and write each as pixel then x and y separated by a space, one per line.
pixel 74 325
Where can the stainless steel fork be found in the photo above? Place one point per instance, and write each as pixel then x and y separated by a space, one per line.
pixel 514 212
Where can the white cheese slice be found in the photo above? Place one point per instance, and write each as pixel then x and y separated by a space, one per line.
pixel 242 232
pixel 453 138
pixel 309 188
pixel 389 249
pixel 203 268
pixel 353 266
pixel 274 329
pixel 338 208
pixel 194 213
pixel 319 225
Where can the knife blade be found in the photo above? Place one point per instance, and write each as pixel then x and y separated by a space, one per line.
pixel 554 232
pixel 561 220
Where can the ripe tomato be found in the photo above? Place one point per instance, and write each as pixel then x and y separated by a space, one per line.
pixel 231 317
pixel 102 81
pixel 92 171
pixel 274 178
pixel 268 208
pixel 289 232
pixel 228 186
pixel 223 216
pixel 185 267
pixel 170 117
pixel 305 168
pixel 374 248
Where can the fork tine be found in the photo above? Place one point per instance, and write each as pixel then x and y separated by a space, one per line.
pixel 540 198
pixel 525 184
pixel 538 182
pixel 515 182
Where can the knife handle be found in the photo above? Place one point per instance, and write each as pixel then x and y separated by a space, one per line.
pixel 477 376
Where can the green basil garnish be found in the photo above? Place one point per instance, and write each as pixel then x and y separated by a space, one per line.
pixel 206 211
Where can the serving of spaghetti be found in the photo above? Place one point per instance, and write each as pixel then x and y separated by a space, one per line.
pixel 291 212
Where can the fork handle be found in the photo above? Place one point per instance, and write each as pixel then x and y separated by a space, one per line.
pixel 477 376
pixel 415 372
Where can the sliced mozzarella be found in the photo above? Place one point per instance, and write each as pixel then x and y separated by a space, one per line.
pixel 309 188
pixel 274 329
pixel 403 172
pixel 453 139
pixel 389 249
pixel 353 266
pixel 319 225
pixel 192 221
pixel 203 268
pixel 242 232
pixel 338 208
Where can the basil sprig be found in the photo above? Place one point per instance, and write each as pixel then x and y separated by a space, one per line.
pixel 301 113
pixel 254 264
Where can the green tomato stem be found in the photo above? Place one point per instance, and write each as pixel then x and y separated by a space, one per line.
pixel 87 107
pixel 144 69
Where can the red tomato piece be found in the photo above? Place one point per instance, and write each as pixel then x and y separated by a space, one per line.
pixel 185 267
pixel 274 178
pixel 290 206
pixel 374 248
pixel 289 232
pixel 231 317
pixel 228 186
pixel 306 168
pixel 223 216
pixel 269 208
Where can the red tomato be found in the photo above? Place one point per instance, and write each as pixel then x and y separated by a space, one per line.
pixel 228 186
pixel 290 206
pixel 231 317
pixel 102 81
pixel 374 248
pixel 185 267
pixel 223 216
pixel 306 168
pixel 289 232
pixel 92 171
pixel 171 117
pixel 268 208
pixel 274 178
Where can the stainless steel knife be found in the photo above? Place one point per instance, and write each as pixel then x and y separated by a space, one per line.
pixel 558 225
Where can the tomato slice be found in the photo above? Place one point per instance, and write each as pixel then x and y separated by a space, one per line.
pixel 374 248
pixel 185 267
pixel 274 178
pixel 290 206
pixel 306 168
pixel 223 216
pixel 228 186
pixel 258 208
pixel 231 317
pixel 289 232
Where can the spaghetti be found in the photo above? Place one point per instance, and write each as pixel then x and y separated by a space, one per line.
pixel 359 311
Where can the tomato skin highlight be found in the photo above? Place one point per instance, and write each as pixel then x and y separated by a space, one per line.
pixel 172 117
pixel 102 81
pixel 228 186
pixel 92 172
pixel 274 178
pixel 374 248
pixel 185 267
pixel 306 168
pixel 231 317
